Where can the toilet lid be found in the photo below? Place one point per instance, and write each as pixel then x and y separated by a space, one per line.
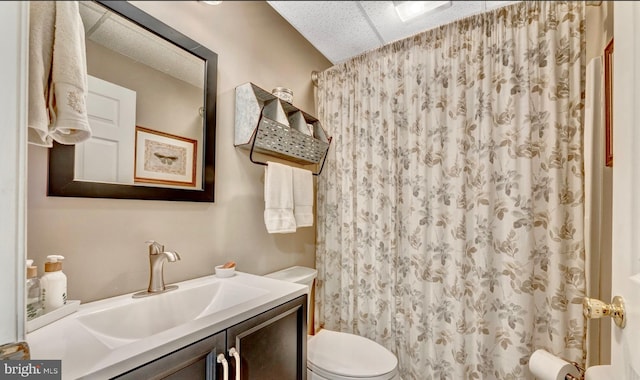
pixel 349 356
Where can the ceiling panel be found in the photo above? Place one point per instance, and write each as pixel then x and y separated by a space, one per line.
pixel 389 25
pixel 335 28
pixel 343 29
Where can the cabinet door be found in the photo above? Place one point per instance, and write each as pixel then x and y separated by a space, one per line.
pixel 186 363
pixel 272 345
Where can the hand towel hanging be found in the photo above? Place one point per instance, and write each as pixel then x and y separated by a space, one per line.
pixel 57 75
pixel 41 26
pixel 278 198
pixel 303 197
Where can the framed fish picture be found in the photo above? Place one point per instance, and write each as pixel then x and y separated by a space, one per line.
pixel 163 158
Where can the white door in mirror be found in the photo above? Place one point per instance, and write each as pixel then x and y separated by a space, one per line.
pixel 108 155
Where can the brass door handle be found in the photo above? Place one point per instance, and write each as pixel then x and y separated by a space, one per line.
pixel 593 309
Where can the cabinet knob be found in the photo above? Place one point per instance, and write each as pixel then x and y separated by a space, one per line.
pixel 594 309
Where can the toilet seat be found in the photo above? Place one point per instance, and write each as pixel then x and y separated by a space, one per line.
pixel 344 356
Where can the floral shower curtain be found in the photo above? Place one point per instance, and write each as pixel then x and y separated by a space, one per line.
pixel 450 209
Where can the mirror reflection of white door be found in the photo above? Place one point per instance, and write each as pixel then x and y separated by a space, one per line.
pixel 625 345
pixel 108 156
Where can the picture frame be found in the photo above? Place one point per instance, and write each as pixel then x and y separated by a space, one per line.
pixel 163 158
pixel 608 103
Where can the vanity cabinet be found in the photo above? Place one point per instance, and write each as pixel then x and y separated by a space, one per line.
pixel 186 363
pixel 271 345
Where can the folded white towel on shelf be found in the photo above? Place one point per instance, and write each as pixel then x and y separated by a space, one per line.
pixel 303 197
pixel 57 74
pixel 278 198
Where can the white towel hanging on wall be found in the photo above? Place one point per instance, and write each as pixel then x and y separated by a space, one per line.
pixel 57 74
pixel 303 197
pixel 278 198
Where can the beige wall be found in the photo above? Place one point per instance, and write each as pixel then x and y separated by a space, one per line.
pixel 103 239
pixel 599 31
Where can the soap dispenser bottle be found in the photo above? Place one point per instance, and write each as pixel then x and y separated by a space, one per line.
pixel 53 284
pixel 34 303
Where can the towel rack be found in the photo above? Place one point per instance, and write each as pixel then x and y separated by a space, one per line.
pixel 269 125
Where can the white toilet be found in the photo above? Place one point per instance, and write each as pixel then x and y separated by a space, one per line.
pixel 335 355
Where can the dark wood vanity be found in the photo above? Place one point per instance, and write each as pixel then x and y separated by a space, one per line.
pixel 271 345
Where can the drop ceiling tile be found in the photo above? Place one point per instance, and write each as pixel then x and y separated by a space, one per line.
pixel 391 28
pixel 336 28
pixel 90 13
pixel 123 37
pixel 343 29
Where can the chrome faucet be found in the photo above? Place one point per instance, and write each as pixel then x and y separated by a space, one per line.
pixel 157 257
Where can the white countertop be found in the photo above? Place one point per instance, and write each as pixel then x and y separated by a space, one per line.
pixel 84 356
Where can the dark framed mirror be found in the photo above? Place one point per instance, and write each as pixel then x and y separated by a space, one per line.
pixel 183 136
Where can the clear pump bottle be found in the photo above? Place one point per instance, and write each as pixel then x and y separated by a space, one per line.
pixel 34 302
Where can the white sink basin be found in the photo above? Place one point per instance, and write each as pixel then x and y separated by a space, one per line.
pixel 109 337
pixel 134 319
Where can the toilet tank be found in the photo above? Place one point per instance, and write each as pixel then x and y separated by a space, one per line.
pixel 299 275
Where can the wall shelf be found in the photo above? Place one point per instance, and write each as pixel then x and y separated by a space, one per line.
pixel 269 125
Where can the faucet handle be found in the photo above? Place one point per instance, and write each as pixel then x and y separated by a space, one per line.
pixel 155 247
pixel 172 256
